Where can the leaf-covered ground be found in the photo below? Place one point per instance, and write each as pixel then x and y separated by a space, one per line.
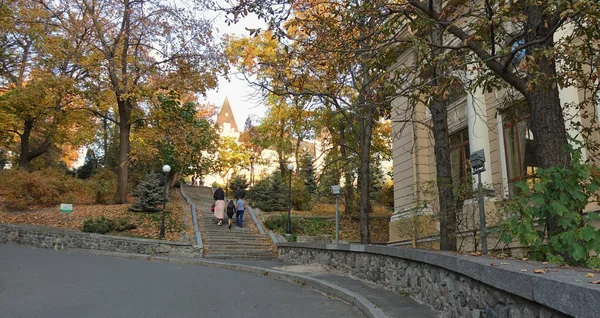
pixel 147 224
pixel 324 224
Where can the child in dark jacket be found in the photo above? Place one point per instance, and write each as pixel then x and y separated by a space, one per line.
pixel 230 212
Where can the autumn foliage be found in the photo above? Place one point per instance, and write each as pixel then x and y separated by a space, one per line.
pixel 21 190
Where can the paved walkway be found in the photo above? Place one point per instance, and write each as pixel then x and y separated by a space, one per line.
pixel 372 300
pixel 385 303
pixel 47 283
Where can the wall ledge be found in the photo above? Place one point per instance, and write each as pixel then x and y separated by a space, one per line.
pixel 563 289
pixel 56 238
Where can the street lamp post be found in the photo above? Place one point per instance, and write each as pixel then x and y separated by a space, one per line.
pixel 251 178
pixel 290 167
pixel 165 169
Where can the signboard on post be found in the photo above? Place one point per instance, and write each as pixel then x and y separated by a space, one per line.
pixel 66 208
pixel 335 189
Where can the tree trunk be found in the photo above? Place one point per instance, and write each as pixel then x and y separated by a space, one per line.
pixel 105 136
pixel 124 132
pixel 348 178
pixel 439 116
pixel 24 159
pixel 447 208
pixel 26 155
pixel 547 120
pixel 550 138
pixel 364 177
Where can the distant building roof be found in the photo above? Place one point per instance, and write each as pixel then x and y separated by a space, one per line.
pixel 226 116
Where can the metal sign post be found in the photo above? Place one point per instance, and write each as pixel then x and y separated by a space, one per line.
pixel 478 164
pixel 65 210
pixel 335 189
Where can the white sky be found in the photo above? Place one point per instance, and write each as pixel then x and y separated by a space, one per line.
pixel 243 98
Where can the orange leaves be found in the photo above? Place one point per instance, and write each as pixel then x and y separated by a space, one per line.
pixel 148 224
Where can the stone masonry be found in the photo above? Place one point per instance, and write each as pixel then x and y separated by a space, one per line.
pixel 59 239
pixel 455 285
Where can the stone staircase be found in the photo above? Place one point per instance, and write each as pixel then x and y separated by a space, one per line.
pixel 221 242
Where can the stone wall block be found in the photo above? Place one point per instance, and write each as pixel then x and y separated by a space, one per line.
pixel 59 239
pixel 451 288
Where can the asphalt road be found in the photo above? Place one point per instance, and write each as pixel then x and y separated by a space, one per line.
pixel 47 283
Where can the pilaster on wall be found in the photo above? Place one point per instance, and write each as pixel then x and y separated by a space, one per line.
pixel 478 128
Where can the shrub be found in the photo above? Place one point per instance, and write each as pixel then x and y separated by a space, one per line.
pixel 560 193
pixel 21 189
pixel 301 198
pixel 278 223
pixel 386 194
pixel 149 194
pixel 102 225
pixel 103 185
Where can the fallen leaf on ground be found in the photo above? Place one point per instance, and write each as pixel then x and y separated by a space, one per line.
pixel 539 270
pixel 544 263
pixel 590 275
pixel 493 264
pixel 504 263
pixel 524 258
pixel 523 270
pixel 578 280
pixel 595 281
pixel 476 254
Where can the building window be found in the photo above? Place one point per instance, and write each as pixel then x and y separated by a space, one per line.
pixel 520 151
pixel 459 159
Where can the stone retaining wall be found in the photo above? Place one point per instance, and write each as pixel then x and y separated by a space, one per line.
pixel 458 285
pixel 59 239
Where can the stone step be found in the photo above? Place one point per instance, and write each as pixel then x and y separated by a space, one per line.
pixel 223 243
pixel 265 257
pixel 232 247
pixel 233 232
pixel 238 252
pixel 226 239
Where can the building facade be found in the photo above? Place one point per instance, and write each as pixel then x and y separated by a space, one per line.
pixel 477 120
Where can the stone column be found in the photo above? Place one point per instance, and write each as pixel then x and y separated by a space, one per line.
pixel 478 129
pixel 569 96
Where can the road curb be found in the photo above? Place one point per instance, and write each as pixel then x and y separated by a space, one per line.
pixel 360 302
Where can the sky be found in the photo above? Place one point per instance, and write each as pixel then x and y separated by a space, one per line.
pixel 243 98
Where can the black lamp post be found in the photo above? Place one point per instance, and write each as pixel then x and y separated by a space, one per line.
pixel 166 169
pixel 290 167
pixel 251 178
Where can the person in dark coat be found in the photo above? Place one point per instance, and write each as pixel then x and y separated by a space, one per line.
pixel 219 194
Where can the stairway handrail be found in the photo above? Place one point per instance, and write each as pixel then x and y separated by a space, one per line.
pixel 194 218
pixel 258 225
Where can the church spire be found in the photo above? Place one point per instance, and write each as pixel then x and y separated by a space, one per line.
pixel 226 116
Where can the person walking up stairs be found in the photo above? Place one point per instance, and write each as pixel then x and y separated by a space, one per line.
pixel 222 243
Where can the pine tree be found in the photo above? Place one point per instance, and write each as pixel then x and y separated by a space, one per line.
pixel 149 194
pixel 307 172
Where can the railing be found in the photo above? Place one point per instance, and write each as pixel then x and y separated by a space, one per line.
pixel 194 218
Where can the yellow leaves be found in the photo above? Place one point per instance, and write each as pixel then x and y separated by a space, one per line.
pixel 526 63
pixel 540 270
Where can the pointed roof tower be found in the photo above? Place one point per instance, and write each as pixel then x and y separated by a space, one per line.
pixel 226 116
